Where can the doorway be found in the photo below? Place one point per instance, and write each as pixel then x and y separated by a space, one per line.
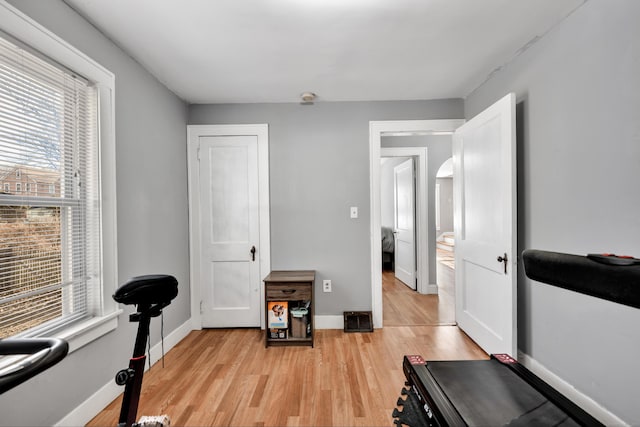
pixel 398 215
pixel 420 257
pixel 228 172
pixel 377 131
pixel 485 211
pixel 445 238
pixel 433 304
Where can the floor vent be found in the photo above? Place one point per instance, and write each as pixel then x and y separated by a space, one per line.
pixel 358 321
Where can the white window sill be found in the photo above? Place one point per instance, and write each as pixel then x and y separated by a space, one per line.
pixel 84 332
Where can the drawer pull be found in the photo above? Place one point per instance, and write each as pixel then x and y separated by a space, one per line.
pixel 288 291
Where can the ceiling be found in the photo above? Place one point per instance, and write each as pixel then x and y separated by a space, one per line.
pixel 246 51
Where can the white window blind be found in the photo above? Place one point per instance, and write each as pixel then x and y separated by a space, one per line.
pixel 49 203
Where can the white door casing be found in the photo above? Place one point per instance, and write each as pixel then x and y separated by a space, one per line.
pixel 404 223
pixel 378 129
pixel 229 215
pixel 420 159
pixel 485 221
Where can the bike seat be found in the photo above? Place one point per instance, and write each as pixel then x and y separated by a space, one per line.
pixel 147 290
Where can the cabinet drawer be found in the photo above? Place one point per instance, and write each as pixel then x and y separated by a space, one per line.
pixel 288 292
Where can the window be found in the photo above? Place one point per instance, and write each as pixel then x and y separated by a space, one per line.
pixel 7 187
pixel 48 245
pixel 57 249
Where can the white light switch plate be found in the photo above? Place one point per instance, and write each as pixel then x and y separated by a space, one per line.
pixel 354 212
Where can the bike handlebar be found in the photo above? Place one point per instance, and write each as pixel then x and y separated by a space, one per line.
pixel 40 354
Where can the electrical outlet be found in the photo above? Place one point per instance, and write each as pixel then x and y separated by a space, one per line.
pixel 326 285
pixel 353 212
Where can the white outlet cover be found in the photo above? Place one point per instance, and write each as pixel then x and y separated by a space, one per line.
pixel 354 212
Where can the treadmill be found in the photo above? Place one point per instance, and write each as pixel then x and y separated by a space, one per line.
pixel 500 391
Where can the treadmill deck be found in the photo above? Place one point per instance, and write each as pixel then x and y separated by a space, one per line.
pixel 494 392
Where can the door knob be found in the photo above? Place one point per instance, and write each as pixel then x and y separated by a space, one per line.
pixel 253 253
pixel 503 260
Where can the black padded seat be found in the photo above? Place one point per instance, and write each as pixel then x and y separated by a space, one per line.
pixel 147 290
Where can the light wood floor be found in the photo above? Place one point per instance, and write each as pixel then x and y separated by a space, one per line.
pixel 402 306
pixel 224 377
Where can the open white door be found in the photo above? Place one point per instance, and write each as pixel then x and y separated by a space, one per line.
pixel 485 220
pixel 404 223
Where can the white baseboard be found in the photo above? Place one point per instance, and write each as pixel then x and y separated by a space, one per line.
pixel 105 395
pixel 577 397
pixel 171 340
pixel 92 406
pixel 329 322
pixel 432 289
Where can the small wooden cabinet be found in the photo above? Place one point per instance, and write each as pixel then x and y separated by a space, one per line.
pixel 295 289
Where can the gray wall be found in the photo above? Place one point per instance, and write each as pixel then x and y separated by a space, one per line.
pixel 446 205
pixel 319 167
pixel 438 150
pixel 152 218
pixel 578 111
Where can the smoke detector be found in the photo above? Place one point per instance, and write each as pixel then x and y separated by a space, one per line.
pixel 307 97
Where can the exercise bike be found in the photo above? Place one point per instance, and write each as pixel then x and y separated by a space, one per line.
pixel 150 294
pixel 31 356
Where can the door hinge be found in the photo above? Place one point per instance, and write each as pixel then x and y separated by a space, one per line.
pixel 198 152
pixel 201 307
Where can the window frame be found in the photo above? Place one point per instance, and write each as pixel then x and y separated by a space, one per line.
pixel 16 24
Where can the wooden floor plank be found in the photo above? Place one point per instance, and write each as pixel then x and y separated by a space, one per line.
pixel 402 306
pixel 222 377
pixel 346 379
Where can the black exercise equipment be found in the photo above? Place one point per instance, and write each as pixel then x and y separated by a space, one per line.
pixel 39 354
pixel 500 391
pixel 150 293
pixel 611 277
pixel 494 392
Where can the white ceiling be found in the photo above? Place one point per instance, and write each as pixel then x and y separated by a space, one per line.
pixel 227 51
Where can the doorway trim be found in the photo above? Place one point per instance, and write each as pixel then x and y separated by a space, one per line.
pixel 419 154
pixel 378 129
pixel 194 132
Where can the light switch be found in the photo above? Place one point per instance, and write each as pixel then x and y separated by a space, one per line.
pixel 354 212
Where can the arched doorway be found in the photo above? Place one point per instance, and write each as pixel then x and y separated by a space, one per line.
pixel 445 242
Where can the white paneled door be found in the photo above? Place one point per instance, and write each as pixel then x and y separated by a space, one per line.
pixel 485 218
pixel 229 231
pixel 404 223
